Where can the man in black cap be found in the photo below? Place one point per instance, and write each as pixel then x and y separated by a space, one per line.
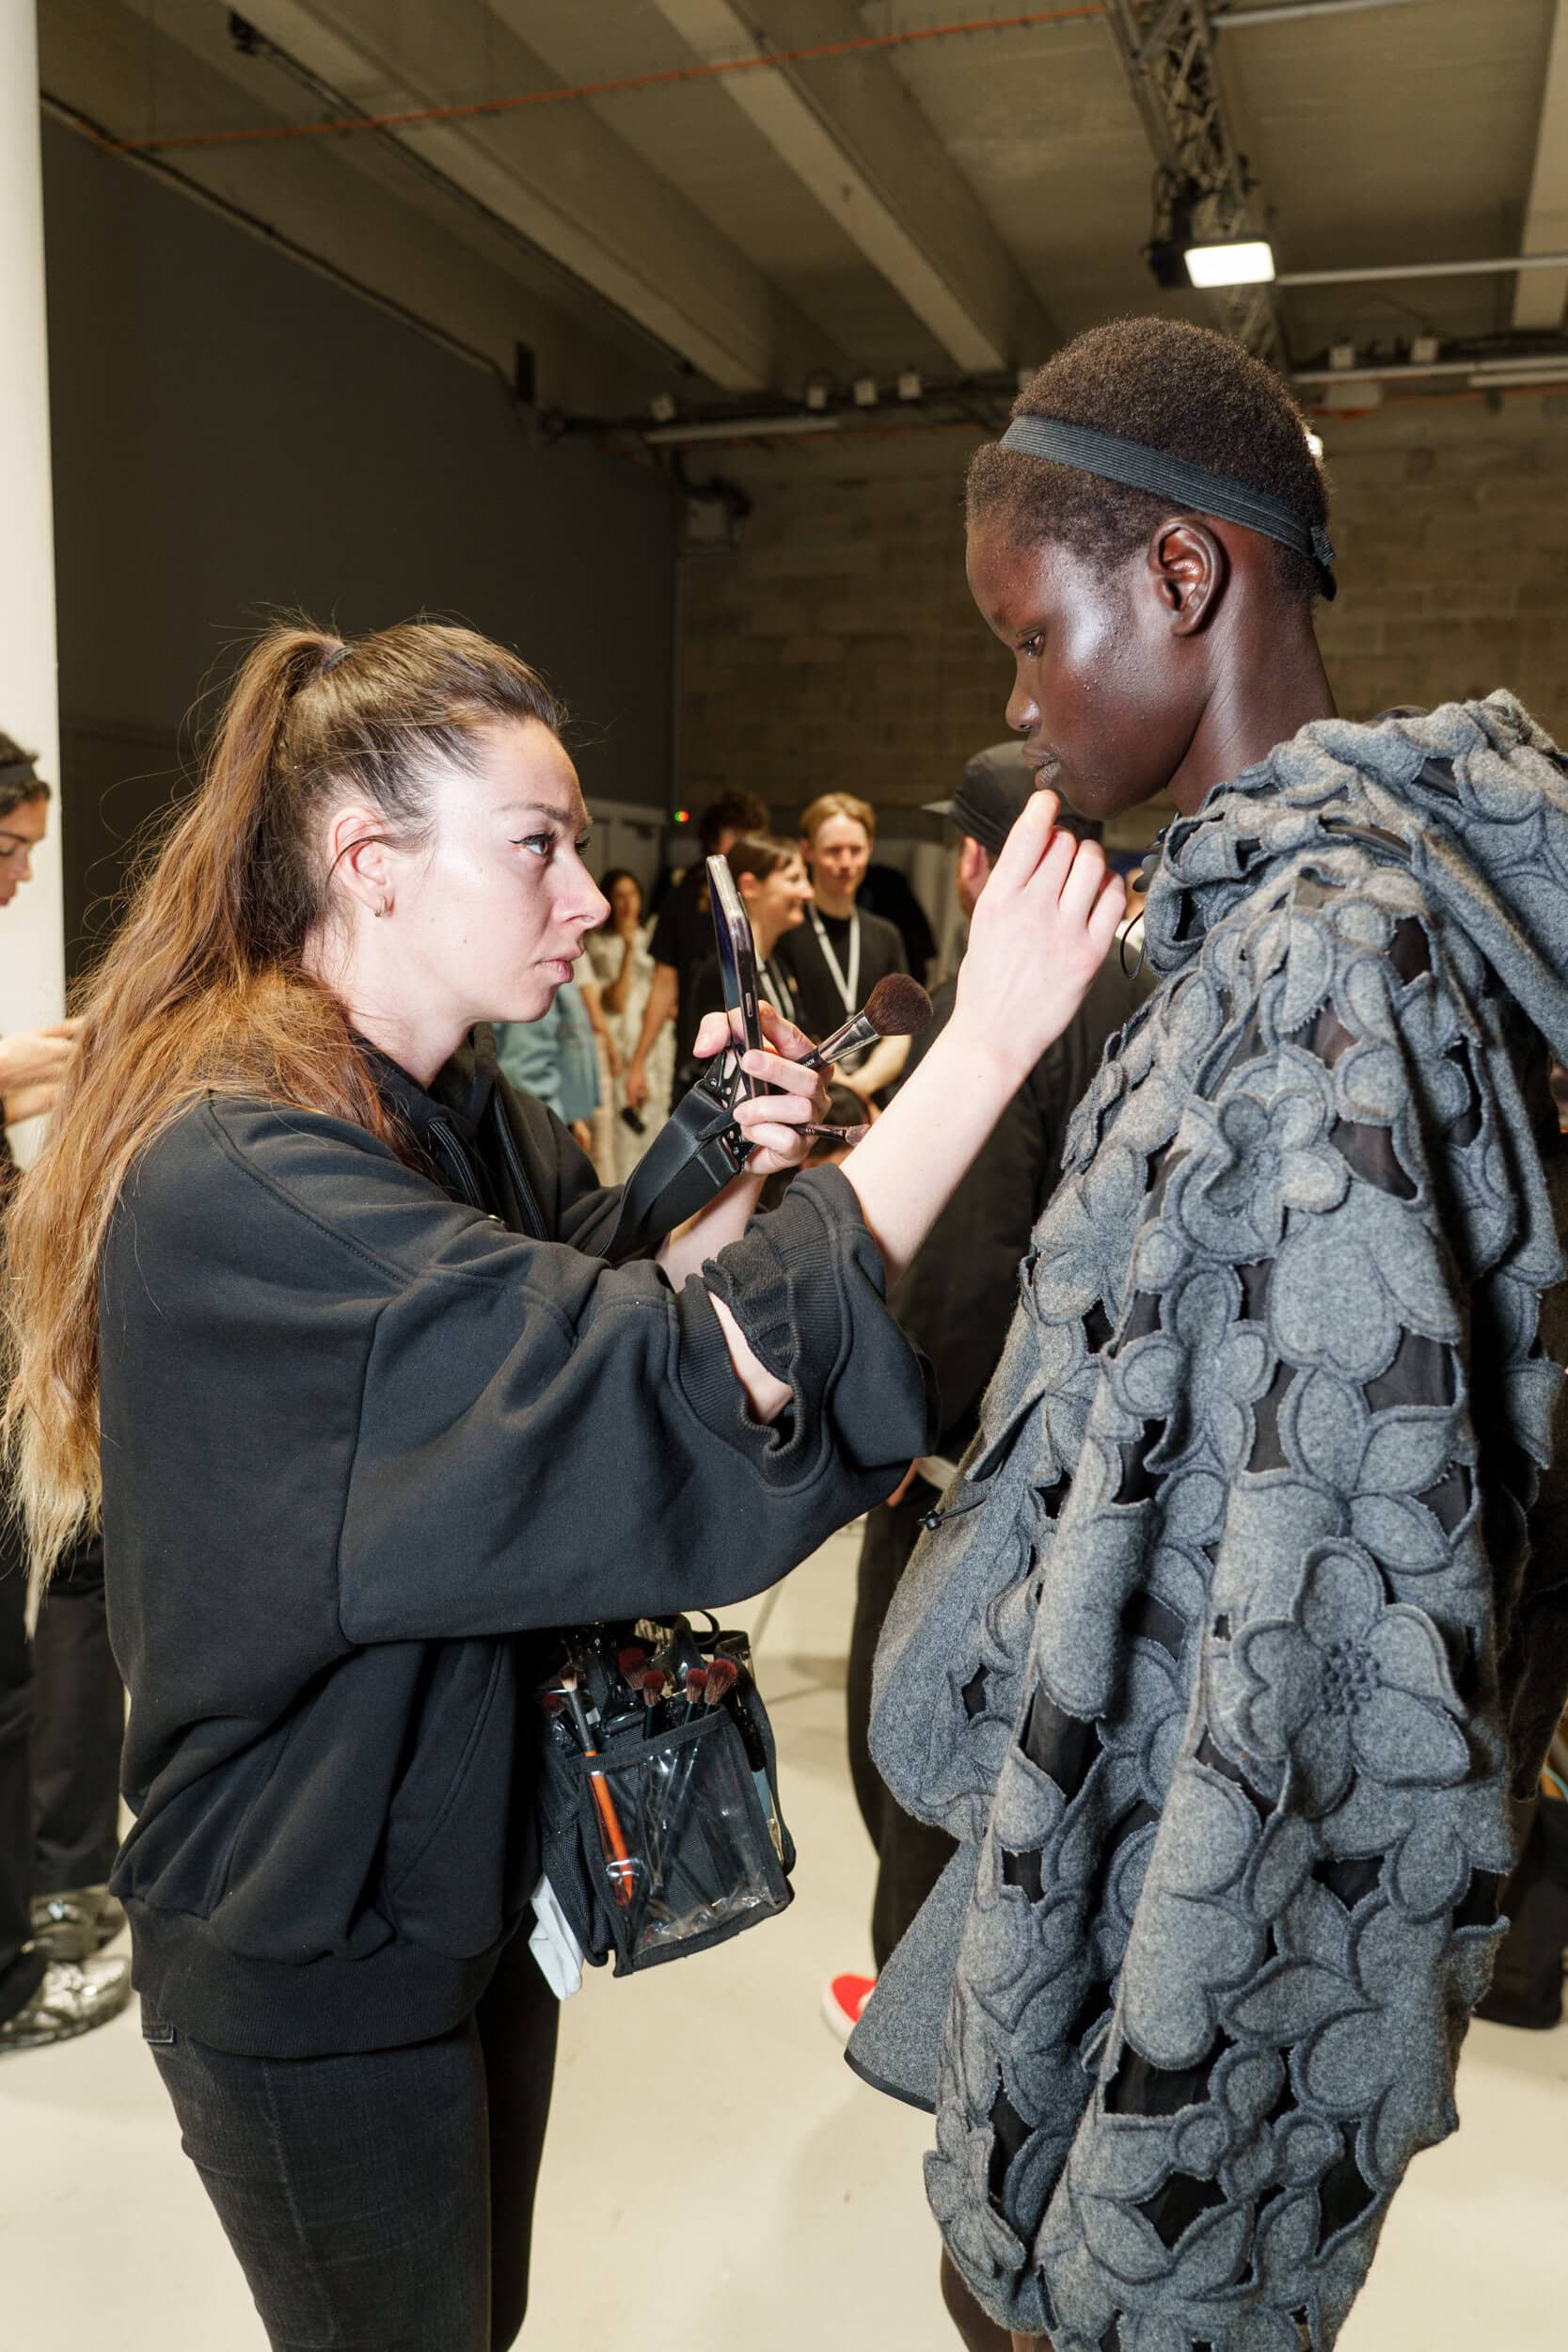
pixel 956 1302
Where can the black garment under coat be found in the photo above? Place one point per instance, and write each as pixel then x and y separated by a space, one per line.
pixel 362 1427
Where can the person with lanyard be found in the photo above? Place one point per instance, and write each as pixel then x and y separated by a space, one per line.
pixel 770 877
pixel 838 955
pixel 683 940
pixel 1231 1646
pixel 318 1312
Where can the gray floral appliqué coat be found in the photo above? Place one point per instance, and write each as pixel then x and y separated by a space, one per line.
pixel 1247 1613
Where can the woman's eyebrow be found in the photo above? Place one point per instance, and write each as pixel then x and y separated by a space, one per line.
pixel 563 817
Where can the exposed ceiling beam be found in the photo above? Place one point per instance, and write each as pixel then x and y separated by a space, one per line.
pixel 853 136
pixel 1167 50
pixel 567 182
pixel 1540 295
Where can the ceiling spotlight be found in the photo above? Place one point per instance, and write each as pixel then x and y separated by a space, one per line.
pixel 817 393
pixel 1237 262
pixel 662 408
pixel 1342 355
pixel 909 384
pixel 864 389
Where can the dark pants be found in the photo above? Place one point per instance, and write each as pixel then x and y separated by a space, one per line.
pixel 382 2202
pixel 911 1857
pixel 62 1717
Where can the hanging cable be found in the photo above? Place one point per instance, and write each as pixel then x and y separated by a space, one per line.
pixel 671 77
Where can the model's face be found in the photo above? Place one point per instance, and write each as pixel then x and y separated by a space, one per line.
pixel 839 852
pixel 21 830
pixel 778 902
pixel 1104 695
pixel 625 902
pixel 488 918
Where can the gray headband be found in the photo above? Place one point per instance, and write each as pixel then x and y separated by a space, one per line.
pixel 18 771
pixel 1145 469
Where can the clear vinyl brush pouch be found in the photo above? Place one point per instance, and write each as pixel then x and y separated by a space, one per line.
pixel 658 1799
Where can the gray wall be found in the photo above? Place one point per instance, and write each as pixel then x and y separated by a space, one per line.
pixel 234 433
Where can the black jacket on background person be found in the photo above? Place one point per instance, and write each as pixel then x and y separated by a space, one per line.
pixel 956 1300
pixel 361 1428
pixel 817 993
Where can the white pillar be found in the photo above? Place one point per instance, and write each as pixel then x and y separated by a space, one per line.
pixel 32 927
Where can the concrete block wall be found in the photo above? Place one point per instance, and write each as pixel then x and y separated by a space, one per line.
pixel 836 646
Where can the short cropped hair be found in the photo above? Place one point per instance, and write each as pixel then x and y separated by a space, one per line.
pixel 1183 389
pixel 732 812
pixel 21 785
pixel 838 804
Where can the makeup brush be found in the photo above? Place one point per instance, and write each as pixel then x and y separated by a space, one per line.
pixel 897 1006
pixel 611 1836
pixel 723 1675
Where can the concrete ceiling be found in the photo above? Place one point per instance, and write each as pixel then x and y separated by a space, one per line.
pixel 956 205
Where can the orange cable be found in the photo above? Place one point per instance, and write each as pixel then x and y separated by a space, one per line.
pixel 1023 22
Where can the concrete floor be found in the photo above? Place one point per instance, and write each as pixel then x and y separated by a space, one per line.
pixel 781 2206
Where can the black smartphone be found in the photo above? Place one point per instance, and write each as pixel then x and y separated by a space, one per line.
pixel 737 965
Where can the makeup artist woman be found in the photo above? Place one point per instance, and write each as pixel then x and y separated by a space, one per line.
pixel 321 1297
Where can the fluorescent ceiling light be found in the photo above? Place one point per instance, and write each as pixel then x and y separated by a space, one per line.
pixel 1248 262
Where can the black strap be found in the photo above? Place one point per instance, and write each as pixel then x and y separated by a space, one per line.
pixel 697 1152
pixel 1141 467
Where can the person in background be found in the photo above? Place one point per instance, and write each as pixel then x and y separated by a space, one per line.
pixel 889 892
pixel 61 1704
pixel 683 938
pixel 956 1302
pixel 840 953
pixel 770 877
pixel 620 960
pixel 554 1059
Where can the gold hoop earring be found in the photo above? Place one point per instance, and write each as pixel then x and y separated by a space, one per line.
pixel 381 909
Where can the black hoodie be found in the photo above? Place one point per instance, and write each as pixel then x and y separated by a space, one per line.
pixel 362 1427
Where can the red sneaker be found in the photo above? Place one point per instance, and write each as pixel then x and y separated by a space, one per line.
pixel 844 2001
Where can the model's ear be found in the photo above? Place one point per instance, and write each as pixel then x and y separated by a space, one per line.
pixel 1188 567
pixel 748 885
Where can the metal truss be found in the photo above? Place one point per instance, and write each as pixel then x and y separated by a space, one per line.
pixel 1168 48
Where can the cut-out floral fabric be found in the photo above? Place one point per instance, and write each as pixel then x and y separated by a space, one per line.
pixel 1236 1630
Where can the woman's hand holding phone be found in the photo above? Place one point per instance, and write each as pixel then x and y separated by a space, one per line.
pixel 772 1123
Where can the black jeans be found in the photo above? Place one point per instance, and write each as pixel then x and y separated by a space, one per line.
pixel 62 1717
pixel 382 2202
pixel 911 1857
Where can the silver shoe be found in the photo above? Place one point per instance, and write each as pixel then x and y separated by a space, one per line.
pixel 69 2000
pixel 76 1923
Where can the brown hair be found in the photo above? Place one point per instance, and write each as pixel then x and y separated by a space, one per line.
pixel 838 804
pixel 204 986
pixel 760 854
pixel 1176 388
pixel 732 812
pixel 19 783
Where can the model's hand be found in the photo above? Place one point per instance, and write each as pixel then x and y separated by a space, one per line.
pixel 771 1123
pixel 636 1086
pixel 1041 931
pixel 33 1057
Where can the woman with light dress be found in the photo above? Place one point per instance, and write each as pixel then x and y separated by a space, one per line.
pixel 623 969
